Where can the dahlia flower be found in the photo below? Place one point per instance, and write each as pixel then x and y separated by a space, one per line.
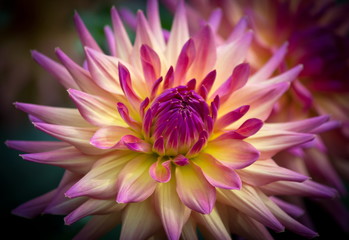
pixel 317 35
pixel 169 136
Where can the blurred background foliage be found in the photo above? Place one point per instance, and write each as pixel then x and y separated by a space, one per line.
pixel 44 25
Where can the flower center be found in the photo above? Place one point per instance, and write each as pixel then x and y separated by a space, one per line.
pixel 179 117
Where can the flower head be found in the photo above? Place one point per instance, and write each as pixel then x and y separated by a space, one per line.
pixel 170 134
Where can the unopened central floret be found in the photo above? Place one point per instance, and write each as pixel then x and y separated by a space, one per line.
pixel 180 117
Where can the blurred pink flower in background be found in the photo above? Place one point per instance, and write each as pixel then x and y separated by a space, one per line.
pixel 170 134
pixel 316 34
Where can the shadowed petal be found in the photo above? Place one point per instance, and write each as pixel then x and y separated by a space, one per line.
pixel 194 190
pixel 139 221
pixel 35 206
pixel 247 227
pixel 286 220
pixel 97 226
pixel 214 224
pixel 289 208
pixel 248 201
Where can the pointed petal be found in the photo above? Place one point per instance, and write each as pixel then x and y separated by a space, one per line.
pixel 237 80
pixel 60 204
pixel 289 208
pixel 139 221
pixel 144 35
pixel 138 186
pixel 205 57
pixel 216 173
pixel 35 206
pixel 231 117
pixel 97 226
pixel 233 153
pixel 320 164
pixel 151 64
pixel 179 34
pixel 78 137
pixel 172 211
pixel 104 70
pixel 307 188
pixel 266 71
pixel 215 19
pixel 85 36
pixel 233 53
pixel 54 115
pixel 154 21
pixel 56 69
pixel 100 181
pixel 267 171
pixel 189 231
pixel 247 227
pixel 123 44
pixel 287 221
pixel 287 76
pixel 108 137
pixel 185 60
pixel 81 76
pixel 194 190
pixel 260 97
pixel 301 126
pixel 239 29
pixel 208 81
pixel 96 110
pixel 109 35
pixel 93 207
pixel 270 142
pixel 126 86
pixel 35 146
pixel 69 158
pixel 214 224
pixel 247 201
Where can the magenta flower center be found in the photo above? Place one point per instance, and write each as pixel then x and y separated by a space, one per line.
pixel 180 117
